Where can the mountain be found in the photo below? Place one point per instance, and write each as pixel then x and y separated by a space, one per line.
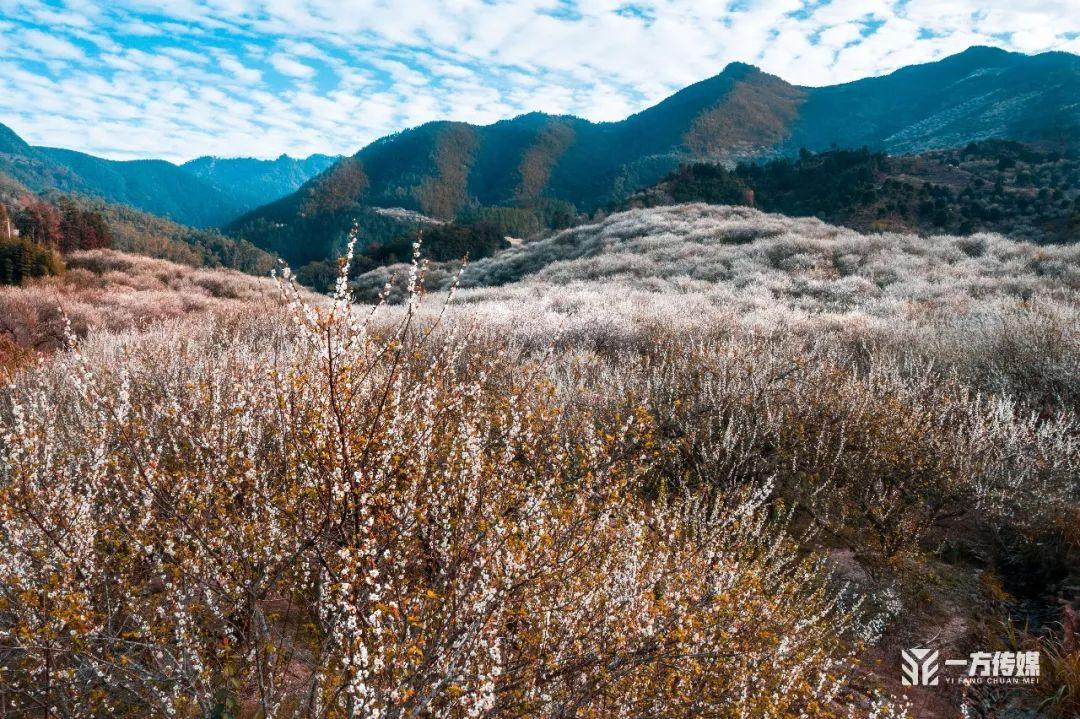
pixel 978 94
pixel 155 186
pixel 1003 186
pixel 206 192
pixel 555 166
pixel 132 230
pixel 31 167
pixel 252 182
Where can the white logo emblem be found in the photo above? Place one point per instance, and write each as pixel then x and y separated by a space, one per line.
pixel 920 667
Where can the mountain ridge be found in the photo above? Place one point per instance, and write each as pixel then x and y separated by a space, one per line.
pixel 549 168
pixel 193 193
pixel 252 181
pixel 553 166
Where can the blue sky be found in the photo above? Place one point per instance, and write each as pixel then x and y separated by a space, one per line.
pixel 136 78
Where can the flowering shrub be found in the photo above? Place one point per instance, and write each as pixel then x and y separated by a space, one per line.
pixel 332 515
pixel 885 461
pixel 616 486
pixel 1004 318
pixel 103 290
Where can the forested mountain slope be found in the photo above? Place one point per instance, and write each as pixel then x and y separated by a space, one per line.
pixel 551 168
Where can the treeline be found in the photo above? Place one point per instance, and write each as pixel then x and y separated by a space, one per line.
pixel 145 234
pixel 387 237
pixel 311 239
pixel 995 185
pixel 474 238
pixel 63 226
pixel 21 259
pixel 34 233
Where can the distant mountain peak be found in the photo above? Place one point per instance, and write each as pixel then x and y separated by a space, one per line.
pixel 255 182
pixel 986 51
pixel 283 157
pixel 740 68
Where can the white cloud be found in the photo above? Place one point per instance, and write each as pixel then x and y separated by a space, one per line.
pixel 288 66
pixel 238 70
pixel 131 78
pixel 401 73
pixel 49 47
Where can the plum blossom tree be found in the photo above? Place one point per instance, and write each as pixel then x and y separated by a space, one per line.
pixel 346 517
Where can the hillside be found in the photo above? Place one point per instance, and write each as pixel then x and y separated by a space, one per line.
pixel 154 186
pixel 146 234
pixel 206 192
pixel 555 167
pixel 44 218
pixel 1000 186
pixel 675 266
pixel 105 291
pixel 151 185
pixel 981 93
pixel 636 444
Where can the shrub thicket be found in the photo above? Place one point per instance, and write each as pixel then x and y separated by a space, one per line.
pixel 621 474
pixel 343 517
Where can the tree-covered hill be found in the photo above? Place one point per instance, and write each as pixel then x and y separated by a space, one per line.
pixel 1016 189
pixel 36 229
pixel 153 186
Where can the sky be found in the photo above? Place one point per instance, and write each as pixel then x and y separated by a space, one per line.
pixel 129 79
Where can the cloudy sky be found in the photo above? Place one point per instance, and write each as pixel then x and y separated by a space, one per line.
pixel 181 78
